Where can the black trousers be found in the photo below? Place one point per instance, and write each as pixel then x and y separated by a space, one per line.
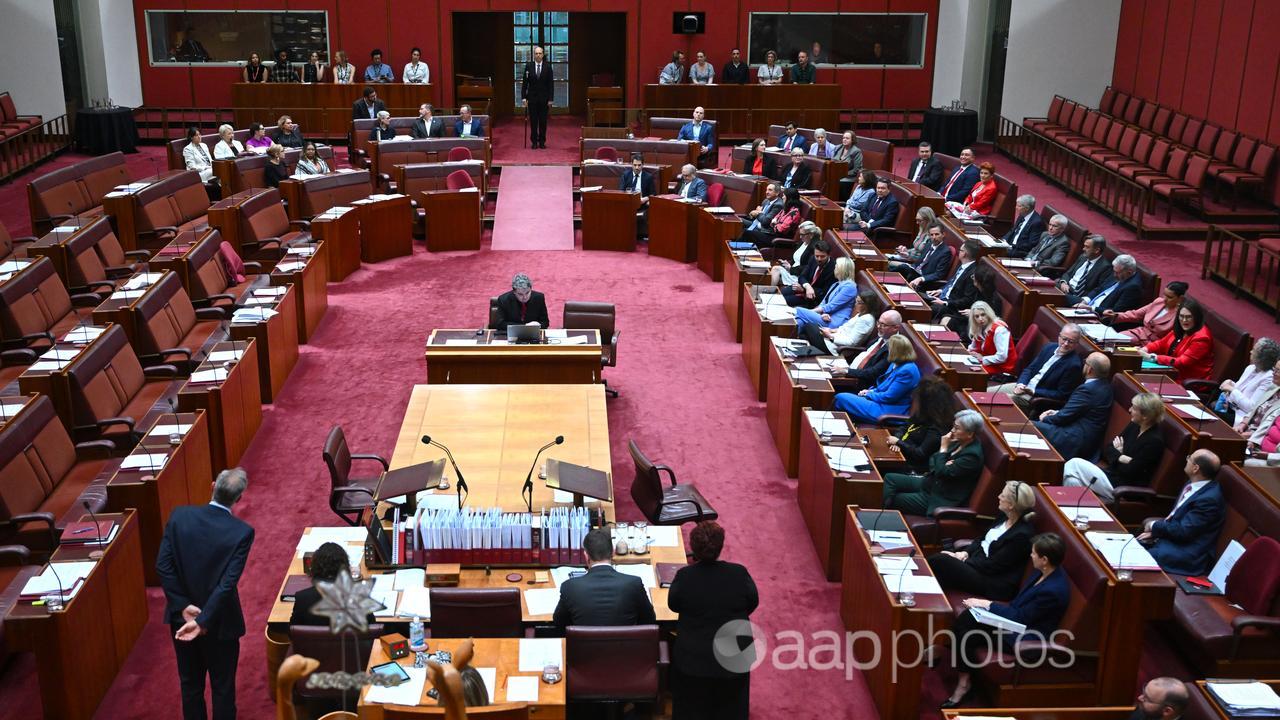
pixel 538 110
pixel 708 698
pixel 952 574
pixel 215 657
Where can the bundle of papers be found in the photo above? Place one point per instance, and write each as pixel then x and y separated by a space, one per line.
pixel 65 228
pixel 1194 411
pixel 987 617
pixel 253 315
pixel 142 281
pixel 542 601
pixel 721 210
pixel 957 357
pixel 415 602
pixel 222 356
pixel 288 267
pixel 1246 699
pixel 167 430
pixel 1102 333
pixel 333 212
pixel 894 564
pixel 890 539
pixel 83 335
pixel 212 375
pixel 68 576
pixel 774 313
pixel 825 422
pixel 810 375
pixel 1025 441
pixel 274 291
pixel 127 294
pixel 144 461
pixel 1121 551
pixel 918 584
pixel 1014 262
pixel 846 459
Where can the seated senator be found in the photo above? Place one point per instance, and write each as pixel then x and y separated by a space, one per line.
pixel 311 163
pixel 258 140
pixel 994 565
pixel 1151 321
pixel 837 304
pixel 870 364
pixel 796 174
pixel 1076 430
pixel 276 169
pixel 904 256
pixel 789 273
pixel 859 203
pixel 522 305
pixel 1188 348
pixel 891 395
pixel 991 341
pixel 882 210
pixel 382 129
pixel 1040 606
pixel 933 405
pixel 953 472
pixel 855 332
pixel 603 596
pixel 287 133
pixel 329 560
pixel 1183 541
pixel 466 125
pixel 692 187
pixel 227 147
pixel 1131 458
pixel 981 198
pixel 1053 374
pixel 1239 397
pixel 783 223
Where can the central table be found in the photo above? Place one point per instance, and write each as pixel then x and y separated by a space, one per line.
pixel 462 356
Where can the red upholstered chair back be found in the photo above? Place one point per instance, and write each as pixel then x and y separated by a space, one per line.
pixel 84 263
pixel 163 317
pixel 1160 123
pixel 264 217
pixel 104 378
pixel 1244 150
pixel 611 663
pixel 1254 582
pixel 582 315
pixel 1225 146
pixel 458 154
pixel 205 271
pixel 1260 165
pixel 715 193
pixel 1055 109
pixel 1190 132
pixel 476 612
pixel 315 641
pixel 459 179
pixel 876 154
pixel 1133 109
pixel 76 188
pixel 1231 345
pixel 607 153
pixel 1147 114
pixel 6 242
pixel 1090 124
pixel 1196 170
pixel 1159 156
pixel 35 454
pixel 7 109
pixel 1142 147
pixel 1128 139
pixel 414 178
pixel 33 301
pixel 337 456
pixel 1251 513
pixel 1208 138
pixel 1108 97
pixel 1177 124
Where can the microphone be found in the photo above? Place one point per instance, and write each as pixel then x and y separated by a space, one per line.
pixel 904 597
pixel 97 529
pixel 526 492
pixel 62 594
pixel 1082 524
pixel 462 483
pixel 1122 574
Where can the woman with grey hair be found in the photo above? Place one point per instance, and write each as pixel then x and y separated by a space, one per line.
pixel 522 305
pixel 227 147
pixel 383 130
pixel 1240 397
pixel 783 274
pixel 953 472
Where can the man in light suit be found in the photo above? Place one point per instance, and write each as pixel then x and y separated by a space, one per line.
pixel 1089 274
pixel 926 169
pixel 1052 249
pixel 691 186
pixel 1027 228
pixel 367 107
pixel 467 126
pixel 1076 430
pixel 759 218
pixel 201 558
pixel 638 180
pixel 603 596
pixel 1054 373
pixel 791 139
pixel 537 91
pixel 883 211
pixel 797 174
pixel 936 262
pixel 956 187
pixel 1124 293
pixel 1183 541
pixel 703 134
pixel 427 125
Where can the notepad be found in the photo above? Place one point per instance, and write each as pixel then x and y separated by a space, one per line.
pixel 522 688
pixel 892 564
pixel 212 375
pixel 541 601
pixel 144 461
pixel 221 356
pixel 1026 441
pixel 271 291
pixel 1194 411
pixel 537 653
pixel 83 335
pixel 408 692
pixel 167 430
pixel 415 602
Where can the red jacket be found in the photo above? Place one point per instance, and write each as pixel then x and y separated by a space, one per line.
pixel 1193 358
pixel 982 198
pixel 988 348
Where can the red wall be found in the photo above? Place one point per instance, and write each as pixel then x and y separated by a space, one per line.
pixel 357 26
pixel 1215 59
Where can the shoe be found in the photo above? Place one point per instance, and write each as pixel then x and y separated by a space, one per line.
pixel 949 703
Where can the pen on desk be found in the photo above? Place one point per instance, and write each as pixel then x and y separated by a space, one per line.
pixel 81 530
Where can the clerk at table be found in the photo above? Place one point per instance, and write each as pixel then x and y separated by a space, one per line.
pixel 522 305
pixel 603 596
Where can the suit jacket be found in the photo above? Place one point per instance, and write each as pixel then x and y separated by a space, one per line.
pixel 883 213
pixel 1027 232
pixel 768 166
pixel 537 86
pixel 804 274
pixel 706 595
pixel 705 135
pixel 1121 297
pixel 799 142
pixel 768 211
pixel 936 263
pixel 838 300
pixel 1060 380
pixel 202 555
pixel 1076 430
pixel 1039 607
pixel 931 176
pixel 603 596
pixel 894 388
pixel 1050 251
pixel 1005 563
pixel 740 75
pixel 963 293
pixel 360 110
pixel 420 129
pixel 1185 541
pixel 477 130
pixel 1193 358
pixel 800 180
pixel 628 182
pixel 698 189
pixel 509 310
pixel 952 476
pixel 1100 273
pixel 876 365
pixel 959 191
pixel 302 604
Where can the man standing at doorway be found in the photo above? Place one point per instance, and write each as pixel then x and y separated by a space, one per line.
pixel 537 92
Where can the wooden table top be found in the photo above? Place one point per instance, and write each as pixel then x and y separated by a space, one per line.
pixel 445 342
pixel 503 654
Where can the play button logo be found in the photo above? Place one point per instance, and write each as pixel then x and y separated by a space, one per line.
pixel 738 646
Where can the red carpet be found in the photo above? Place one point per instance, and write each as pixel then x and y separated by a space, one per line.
pixel 511 145
pixel 535 208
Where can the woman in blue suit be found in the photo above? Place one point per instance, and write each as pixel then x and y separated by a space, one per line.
pixel 837 306
pixel 1039 606
pixel 892 392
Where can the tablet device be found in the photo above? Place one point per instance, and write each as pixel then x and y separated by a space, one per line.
pixel 391 669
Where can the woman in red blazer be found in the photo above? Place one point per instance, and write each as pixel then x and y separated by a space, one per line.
pixel 1188 348
pixel 982 198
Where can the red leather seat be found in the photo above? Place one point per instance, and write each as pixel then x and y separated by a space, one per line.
pixel 607 153
pixel 168 329
pixel 348 497
pixel 176 204
pixel 209 284
pixel 111 393
pixel 715 194
pixel 675 505
pixel 458 180
pixel 458 154
pixel 75 191
pixel 10 246
pixel 265 227
pixel 35 308
pixel 614 664
pixel 476 612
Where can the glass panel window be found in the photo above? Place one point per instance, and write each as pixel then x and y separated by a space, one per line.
pixel 555 18
pixel 558 35
pixel 524 18
pixel 558 53
pixel 550 29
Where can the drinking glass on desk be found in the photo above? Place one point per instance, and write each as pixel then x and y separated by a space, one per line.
pixel 53 601
pixel 641 542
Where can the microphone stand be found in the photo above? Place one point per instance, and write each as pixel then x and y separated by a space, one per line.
pixel 1123 574
pixel 526 492
pixel 908 599
pixel 1082 523
pixel 462 483
pixel 97 529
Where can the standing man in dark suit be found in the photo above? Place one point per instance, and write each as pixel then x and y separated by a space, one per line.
pixel 637 180
pixel 202 555
pixel 1076 430
pixel 701 133
pixel 926 169
pixel 883 211
pixel 427 125
pixel 871 363
pixel 957 186
pixel 1089 274
pixel 603 596
pixel 1027 228
pixel 1123 294
pixel 537 90
pixel 368 107
pixel 522 305
pixel 813 279
pixel 1183 541
pixel 936 262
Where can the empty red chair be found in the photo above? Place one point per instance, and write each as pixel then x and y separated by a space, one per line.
pixel 459 180
pixel 1132 109
pixel 1208 139
pixel 1191 132
pixel 1160 123
pixel 459 154
pixel 1177 123
pixel 1185 185
pixel 715 193
pixel 1108 97
pixel 1147 115
pixel 606 153
pixel 1254 176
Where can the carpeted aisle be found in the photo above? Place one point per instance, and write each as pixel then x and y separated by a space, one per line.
pixel 535 208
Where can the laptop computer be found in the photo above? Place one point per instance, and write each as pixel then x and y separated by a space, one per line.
pixel 524 334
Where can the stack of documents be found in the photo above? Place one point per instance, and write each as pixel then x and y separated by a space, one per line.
pixel 959 358
pixel 1121 551
pixel 918 584
pixel 1246 699
pixel 144 461
pixel 1025 441
pixel 1016 263
pixel 127 294
pixel 826 422
pixel 83 335
pixel 291 266
pixel 542 601
pixel 253 315
pixel 1102 333
pixel 894 564
pixel 1194 411
pixel 212 375
pixel 846 459
pixel 890 539
pixel 68 576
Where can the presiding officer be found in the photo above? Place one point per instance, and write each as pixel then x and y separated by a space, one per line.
pixel 522 305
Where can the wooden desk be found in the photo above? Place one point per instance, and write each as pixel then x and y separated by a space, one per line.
pixel 786 397
pixel 867 605
pixel 276 340
pixel 463 357
pixel 825 213
pixel 185 479
pixel 453 219
pixel 609 220
pixel 825 493
pixel 672 230
pixel 1204 706
pixel 500 653
pixel 1145 599
pixel 322 109
pixel 867 256
pixel 339 228
pixel 386 227
pixel 713 231
pixel 80 649
pixel 909 302
pixel 233 407
pixel 1210 433
pixel 53 245
pixel 741 267
pixel 1030 465
pixel 54 382
pixel 494 431
pixel 311 288
pixel 756 333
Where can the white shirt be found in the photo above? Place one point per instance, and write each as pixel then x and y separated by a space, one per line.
pixel 684 189
pixel 872 349
pixel 769 75
pixel 1001 340
pixel 1034 381
pixel 993 535
pixel 217 504
pixel 639 177
pixel 797 255
pixel 196 157
pixel 222 152
pixel 416 73
pixel 854 331
pixel 1081 273
pixel 466 129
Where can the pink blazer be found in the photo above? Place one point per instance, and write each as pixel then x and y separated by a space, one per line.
pixel 1152 327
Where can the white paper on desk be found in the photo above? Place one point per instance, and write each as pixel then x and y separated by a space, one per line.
pixel 8 410
pixel 415 602
pixel 537 653
pixel 1221 569
pixel 664 535
pixel 927 328
pixel 253 315
pixel 127 294
pixel 301 250
pixel 83 335
pixel 260 301
pixel 1172 391
pixel 288 267
pixel 522 688
pixel 559 333
pixel 384 592
pixel 13 265
pixel 756 264
pixel 68 573
pixel 1026 441
pixel 898 289
pixel 866 252
pixel 1014 262
pixel 1092 514
pixel 65 229
pixel 409 577
pixel 144 461
pixel 1075 312
pixel 918 584
pixel 721 210
pixel 1194 411
pixel 1247 694
pixel 576 340
pixel 810 375
pixel 274 291
pixel 142 280
pixel 167 430
pixel 212 375
pixel 893 564
pixel 47 365
pixel 460 341
pixel 591 188
pixel 489 675
pixel 541 601
pixel 221 356
pixel 774 313
pixel 1115 547
pixel 911 303
pixel 890 538
pixel 1098 331
pixel 642 571
pixel 848 459
pixel 56 354
pixel 954 357
pixel 408 692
